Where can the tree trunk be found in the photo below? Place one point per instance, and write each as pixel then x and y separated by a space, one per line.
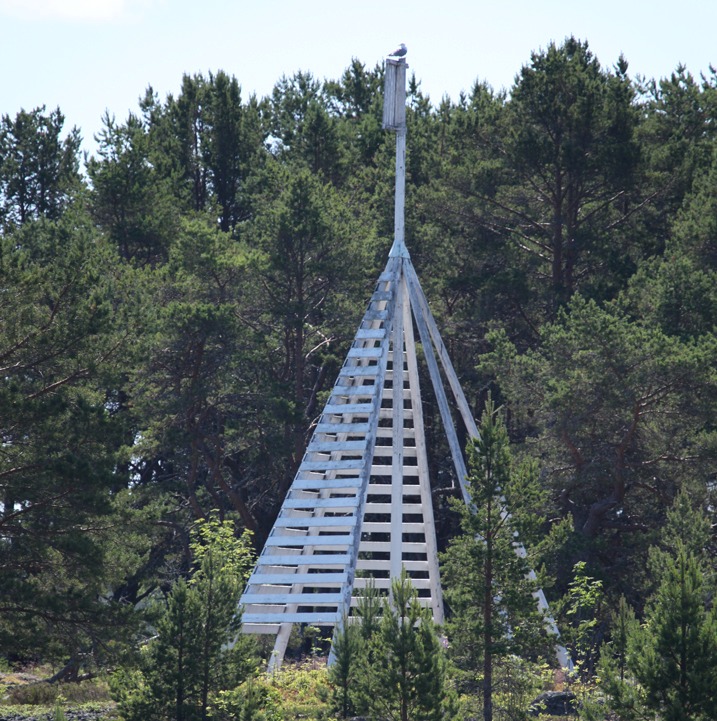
pixel 206 661
pixel 180 677
pixel 488 634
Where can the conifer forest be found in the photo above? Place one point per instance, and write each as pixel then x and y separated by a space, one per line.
pixel 174 310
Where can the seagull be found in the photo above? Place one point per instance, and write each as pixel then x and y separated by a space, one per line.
pixel 400 52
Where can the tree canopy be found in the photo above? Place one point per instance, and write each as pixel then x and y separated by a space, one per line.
pixel 174 313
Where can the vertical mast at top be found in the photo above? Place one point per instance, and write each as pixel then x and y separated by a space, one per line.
pixel 394 118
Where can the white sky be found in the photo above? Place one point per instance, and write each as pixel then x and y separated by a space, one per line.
pixel 90 55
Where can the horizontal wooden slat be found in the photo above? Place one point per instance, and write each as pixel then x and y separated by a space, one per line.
pixel 288 579
pixel 318 484
pixel 425 601
pixel 386 451
pixel 387 394
pixel 317 619
pixel 377 527
pixel 343 408
pixel 386 508
pixel 305 599
pixel 417 583
pixel 335 503
pixel 365 352
pixel 306 540
pixel 319 446
pixel 353 428
pixel 260 628
pixel 386 470
pixel 385 489
pixel 385 546
pixel 368 564
pixel 353 390
pixel 386 413
pixel 371 333
pixel 351 370
pixel 315 521
pixel 302 559
pixel 388 433
pixel 295 532
pixel 352 464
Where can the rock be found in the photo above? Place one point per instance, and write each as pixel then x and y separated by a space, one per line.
pixel 555 703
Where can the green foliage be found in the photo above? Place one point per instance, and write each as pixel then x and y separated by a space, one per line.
pixel 687 526
pixel 668 664
pixel 39 170
pixel 392 666
pixel 619 413
pixel 488 588
pixel 674 656
pixel 256 699
pixel 677 139
pixel 67 308
pixel 542 182
pixel 304 692
pixel 130 199
pixel 294 692
pixel 623 627
pixel 580 614
pixel 676 293
pixel 198 388
pixel 208 145
pixel 310 255
pixel 58 714
pixel 167 334
pixel 196 651
pixel 344 672
pixel 216 551
pixel 517 684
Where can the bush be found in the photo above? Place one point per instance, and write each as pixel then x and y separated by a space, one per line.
pixel 255 700
pixel 304 691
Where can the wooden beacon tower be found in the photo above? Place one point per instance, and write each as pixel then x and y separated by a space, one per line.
pixel 360 505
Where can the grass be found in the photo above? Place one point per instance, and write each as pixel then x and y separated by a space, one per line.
pixel 24 694
pixel 41 693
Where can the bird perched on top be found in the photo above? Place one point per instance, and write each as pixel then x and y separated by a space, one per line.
pixel 400 52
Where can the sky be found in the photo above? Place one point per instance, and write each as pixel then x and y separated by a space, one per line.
pixel 94 56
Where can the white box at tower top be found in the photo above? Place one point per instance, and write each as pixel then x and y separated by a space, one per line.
pixel 394 97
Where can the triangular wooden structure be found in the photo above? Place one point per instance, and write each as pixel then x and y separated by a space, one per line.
pixel 360 505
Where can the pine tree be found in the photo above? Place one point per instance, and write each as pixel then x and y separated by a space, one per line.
pixel 668 665
pixel 674 654
pixel 68 315
pixel 196 651
pixel 615 679
pixel 487 583
pixel 342 673
pixel 39 170
pixel 401 674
